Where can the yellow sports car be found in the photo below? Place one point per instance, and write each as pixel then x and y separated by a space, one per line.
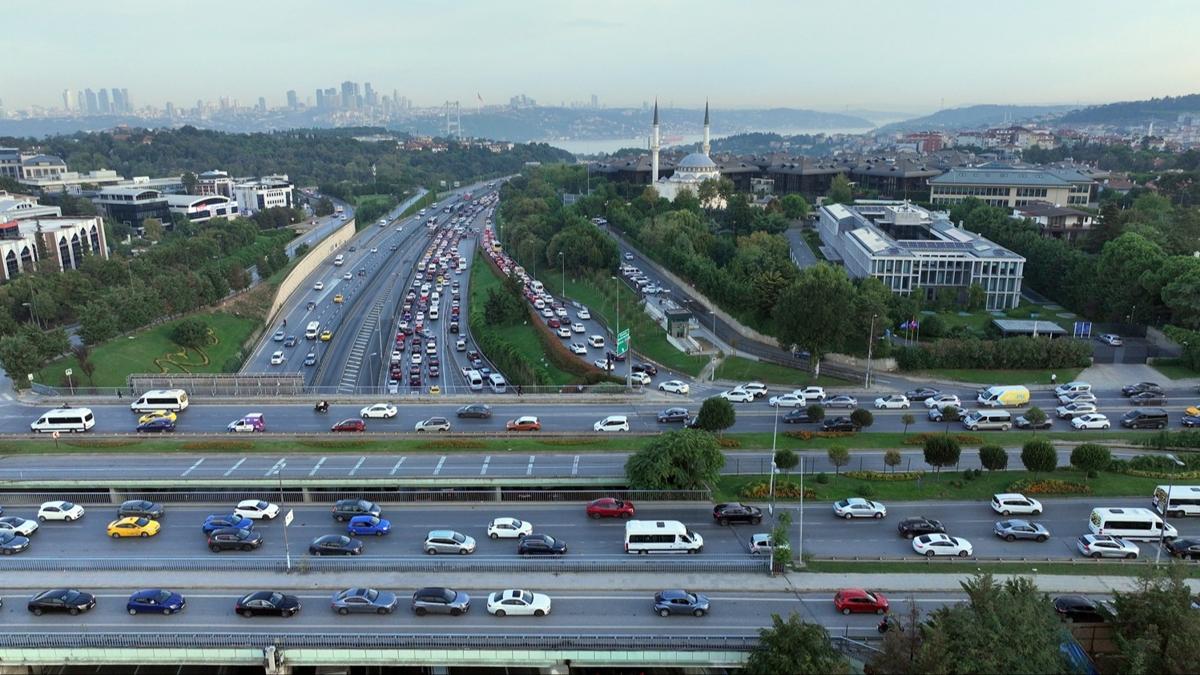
pixel 155 414
pixel 133 527
pixel 326 336
pixel 339 298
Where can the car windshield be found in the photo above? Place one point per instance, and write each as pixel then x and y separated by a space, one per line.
pixel 71 596
pixel 459 537
pixel 142 522
pixel 66 506
pixel 527 597
pixel 6 536
pixel 548 539
pixel 262 506
pixel 161 597
pixel 369 593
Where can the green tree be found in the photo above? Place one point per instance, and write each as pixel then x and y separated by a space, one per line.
pixel 794 206
pixel 19 358
pixel 942 451
pixel 839 456
pixel 811 313
pixel 1039 456
pixel 324 207
pixel 1090 457
pixel 786 459
pixel 907 420
pixel 191 333
pixel 83 356
pixel 1035 416
pixel 686 459
pixel 716 415
pixel 976 298
pixel 862 418
pixel 892 458
pixel 153 228
pixel 793 646
pixel 839 191
pixel 950 415
pixel 188 179
pixel 993 457
pixel 781 544
pixel 1157 629
pixel 816 412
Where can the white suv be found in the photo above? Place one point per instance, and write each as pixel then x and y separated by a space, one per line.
pixel 612 423
pixel 1009 503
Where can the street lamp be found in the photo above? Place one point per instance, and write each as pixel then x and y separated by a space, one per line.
pixel 564 274
pixel 870 345
pixel 287 518
pixel 774 469
pixel 1162 531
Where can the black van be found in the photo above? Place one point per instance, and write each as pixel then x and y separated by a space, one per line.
pixel 1145 418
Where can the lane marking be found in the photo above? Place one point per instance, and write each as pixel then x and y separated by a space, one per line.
pixel 397 467
pixel 235 466
pixel 575 466
pixel 278 466
pixel 483 469
pixel 441 461
pixel 360 463
pixel 192 467
pixel 317 467
pixel 529 467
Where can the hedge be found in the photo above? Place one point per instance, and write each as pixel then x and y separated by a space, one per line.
pixel 783 489
pixel 1049 486
pixel 884 475
pixel 809 435
pixel 1005 354
pixel 963 439
pixel 1172 439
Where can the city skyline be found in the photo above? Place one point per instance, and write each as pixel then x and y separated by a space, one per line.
pixel 622 53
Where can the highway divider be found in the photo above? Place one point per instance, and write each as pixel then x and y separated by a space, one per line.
pixel 294 494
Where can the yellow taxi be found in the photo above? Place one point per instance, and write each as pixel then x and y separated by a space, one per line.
pixel 133 527
pixel 326 336
pixel 156 414
pixel 339 299
pixel 1193 410
pixel 435 390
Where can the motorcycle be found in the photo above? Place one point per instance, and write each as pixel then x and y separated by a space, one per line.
pixel 321 406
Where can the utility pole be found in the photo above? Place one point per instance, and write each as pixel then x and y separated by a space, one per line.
pixel 287 518
pixel 870 345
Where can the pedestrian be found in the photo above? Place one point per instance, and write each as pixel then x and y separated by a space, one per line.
pixel 1053 379
pixel 118 393
pixel 520 390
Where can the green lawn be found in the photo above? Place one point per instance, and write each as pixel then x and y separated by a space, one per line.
pixel 1034 377
pixel 977 321
pixel 1174 369
pixel 422 203
pixel 151 351
pixel 648 339
pixel 741 369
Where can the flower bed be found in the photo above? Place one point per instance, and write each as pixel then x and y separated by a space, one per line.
pixel 884 475
pixel 963 439
pixel 783 489
pixel 1049 486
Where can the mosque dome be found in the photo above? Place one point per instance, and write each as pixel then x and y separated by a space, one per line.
pixel 696 161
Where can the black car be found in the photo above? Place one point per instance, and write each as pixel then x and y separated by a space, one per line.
pixel 11 542
pixel 267 603
pixel 1131 389
pixel 67 600
pixel 647 368
pixel 797 416
pixel 1190 421
pixel 142 508
pixel 234 539
pixel 345 509
pixel 921 393
pixel 915 527
pixel 156 425
pixel 476 410
pixel 1080 609
pixel 692 422
pixel 541 544
pixel 1184 548
pixel 335 544
pixel 838 424
pixel 735 512
pixel 673 415
pixel 1023 423
pixel 1148 398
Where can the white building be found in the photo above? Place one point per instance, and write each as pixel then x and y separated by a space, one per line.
pixel 214 182
pixel 690 172
pixel 199 208
pixel 264 193
pixel 66 240
pixel 21 207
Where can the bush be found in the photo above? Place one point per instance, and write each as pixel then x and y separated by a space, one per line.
pixel 726 442
pixel 1039 456
pixel 865 491
pixel 451 443
pixel 993 457
pixel 217 445
pixel 320 443
pixel 822 478
pixel 1049 486
pixel 102 442
pixel 784 489
pixel 191 333
pixel 809 435
pixel 963 439
pixel 1090 457
pixel 884 476
pixel 1008 353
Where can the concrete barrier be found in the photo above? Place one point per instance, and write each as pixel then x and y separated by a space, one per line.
pixel 311 260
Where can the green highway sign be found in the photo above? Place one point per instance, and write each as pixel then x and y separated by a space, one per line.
pixel 623 341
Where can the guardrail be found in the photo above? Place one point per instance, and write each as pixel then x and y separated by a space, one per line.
pixel 310 496
pixel 951 560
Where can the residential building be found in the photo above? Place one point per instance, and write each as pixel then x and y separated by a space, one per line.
pixel 132 205
pixel 24 207
pixel 266 192
pixel 1012 186
pixel 1057 222
pixel 30 166
pixel 65 240
pixel 10 163
pixel 913 250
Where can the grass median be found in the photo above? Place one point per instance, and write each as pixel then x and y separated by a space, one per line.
pixel 741 369
pixel 1001 377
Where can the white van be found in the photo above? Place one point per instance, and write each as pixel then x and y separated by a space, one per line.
pixel 1130 523
pixel 1072 388
pixel 339 260
pixel 64 419
pixel 1184 500
pixel 537 286
pixel 161 399
pixel 660 536
pixel 988 420
pixel 474 380
pixel 314 328
pixel 1004 396
pixel 497 383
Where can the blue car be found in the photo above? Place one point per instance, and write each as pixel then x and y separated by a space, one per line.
pixel 218 522
pixel 374 525
pixel 159 424
pixel 155 601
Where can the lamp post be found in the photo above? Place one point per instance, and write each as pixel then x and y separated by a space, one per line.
pixel 870 345
pixel 1162 531
pixel 800 543
pixel 563 258
pixel 774 469
pixel 287 518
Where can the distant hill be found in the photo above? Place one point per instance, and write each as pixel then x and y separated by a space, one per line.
pixel 1135 113
pixel 976 116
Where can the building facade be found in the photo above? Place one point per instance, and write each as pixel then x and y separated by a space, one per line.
pixel 199 208
pixel 132 205
pixel 21 207
pixel 264 193
pixel 1012 186
pixel 1057 222
pixel 66 242
pixel 214 183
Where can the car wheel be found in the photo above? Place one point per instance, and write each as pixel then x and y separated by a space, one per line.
pixel 421 611
pixel 73 611
pixel 848 516
pixel 626 515
pixel 340 519
pixel 500 612
pixel 929 554
pixel 722 521
pixel 494 535
pixel 908 535
pixel 1177 514
pixel 378 533
pixel 215 549
pixel 594 516
pixel 37 612
pixel 455 612
pixel 1037 512
pixel 1006 512
pixel 144 534
pixel 1130 556
pixel 68 518
pixel 755 520
pixel 538 612
pixel 343 611
pixel 115 535
pixel 463 551
pixel 1009 537
pixel 42 518
pixel 962 554
pixel 698 612
pixel 132 611
pixel 247 547
pixel 431 551
pixel 846 611
pixel 289 614
pixel 168 611
pixel 383 610
pixel 1096 554
pixel 878 516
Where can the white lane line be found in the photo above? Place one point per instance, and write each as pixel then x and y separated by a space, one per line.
pixel 483 469
pixel 529 467
pixel 397 467
pixel 317 467
pixel 441 461
pixel 278 466
pixel 235 466
pixel 575 466
pixel 192 467
pixel 360 463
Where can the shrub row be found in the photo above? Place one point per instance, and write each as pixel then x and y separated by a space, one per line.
pixel 217 445
pixel 319 443
pixel 102 442
pixel 1049 486
pixel 451 443
pixel 726 442
pixel 809 435
pixel 1007 353
pixel 884 475
pixel 783 489
pixel 1172 439
pixel 963 439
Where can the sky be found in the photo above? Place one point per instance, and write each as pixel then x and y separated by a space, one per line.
pixel 915 56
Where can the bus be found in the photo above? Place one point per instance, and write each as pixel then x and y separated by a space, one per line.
pixel 1177 500
pixel 660 536
pixel 1130 523
pixel 166 399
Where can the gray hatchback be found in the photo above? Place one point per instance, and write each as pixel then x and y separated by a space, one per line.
pixel 678 601
pixel 1011 530
pixel 436 600
pixel 364 600
pixel 448 541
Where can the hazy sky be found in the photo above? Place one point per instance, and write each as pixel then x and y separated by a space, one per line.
pixel 909 56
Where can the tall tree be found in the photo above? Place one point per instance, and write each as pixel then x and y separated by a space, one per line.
pixel 686 459
pixel 794 206
pixel 716 415
pixel 839 190
pixel 1089 457
pixel 942 451
pixel 793 646
pixel 811 313
pixel 1039 456
pixel 839 456
pixel 1157 628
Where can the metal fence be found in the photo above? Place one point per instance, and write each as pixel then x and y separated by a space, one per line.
pixel 293 496
pixel 254 385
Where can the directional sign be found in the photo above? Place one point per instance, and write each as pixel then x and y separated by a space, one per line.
pixel 623 341
pixel 287 519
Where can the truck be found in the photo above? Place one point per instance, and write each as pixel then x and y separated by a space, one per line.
pixel 1004 396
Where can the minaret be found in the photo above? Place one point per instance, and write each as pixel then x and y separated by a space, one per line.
pixel 707 146
pixel 654 147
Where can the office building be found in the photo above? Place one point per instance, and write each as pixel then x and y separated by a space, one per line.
pixel 1013 186
pixel 102 104
pixel 292 101
pixel 92 107
pixel 214 183
pixel 1057 222
pixel 912 250
pixel 24 207
pixel 66 241
pixel 320 99
pixel 68 97
pixel 199 208
pixel 28 167
pixel 131 205
pixel 267 192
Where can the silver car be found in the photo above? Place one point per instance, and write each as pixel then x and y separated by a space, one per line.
pixel 448 541
pixel 1011 530
pixel 1106 546
pixel 364 600
pixel 436 600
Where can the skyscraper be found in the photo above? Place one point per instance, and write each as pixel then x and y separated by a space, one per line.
pixel 331 98
pixel 128 101
pixel 68 100
pixel 102 102
pixel 170 109
pixel 293 102
pixel 262 104
pixel 320 99
pixel 92 106
pixel 118 101
pixel 369 94
pixel 349 94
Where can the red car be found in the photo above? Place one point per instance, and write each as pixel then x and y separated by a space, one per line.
pixel 857 600
pixel 554 323
pixel 607 507
pixel 353 424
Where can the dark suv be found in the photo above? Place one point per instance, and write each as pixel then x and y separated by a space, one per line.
pixel 234 539
pixel 142 508
pixel 436 600
pixel 725 514
pixel 345 509
pixel 1145 418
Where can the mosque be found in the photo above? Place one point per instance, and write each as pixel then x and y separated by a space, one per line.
pixel 690 171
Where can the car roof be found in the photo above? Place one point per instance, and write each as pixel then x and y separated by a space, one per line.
pixel 1009 495
pixel 672 593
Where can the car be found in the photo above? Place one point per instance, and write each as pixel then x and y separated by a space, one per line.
pixel 672 415
pixel 310 359
pixel 763 542
pixel 604 364
pixel 256 509
pixel 787 401
pixel 675 387
pixel 335 544
pixel 133 526
pixel 1148 398
pixel 736 512
pixel 1190 420
pixel 638 377
pixel 363 601
pixel 1090 421
pixel 578 328
pixel 952 412
pixel 523 423
pixel 278 336
pixel 578 349
pixel 1012 530
pixel 432 424
pixel 1023 422
pixel 1008 503
pixel 326 336
pixel 919 525
pixel 1078 609
pixel 892 402
pixel 1072 410
pixel 563 332
pixel 224 521
pixel 583 314
pixel 860 601
pixel 508 528
pixel 350 424
pixel 647 368
pixel 942 400
pixel 369 525
pixel 679 601
pixel 157 415
pixel 234 539
pixel 448 541
pixel 757 388
pixel 155 601
pixel 541 544
pixel 930 545
pixel 267 603
pixel 319 286
pixel 1111 339
pixel 857 507
pixel 158 424
pixel 612 423
pixel 841 401
pixel 290 341
pixel 59 510
pixel 249 423
pixel 416 358
pixel 1139 387
pixel 69 600
pixel 737 396
pixel 345 509
pixel 11 542
pixel 609 507
pixel 18 525
pixel 375 249
pixel 475 411
pixel 1184 548
pixel 838 424
pixel 517 602
pixel 1077 397
pixel 922 393
pixel 798 415
pixel 439 600
pixel 339 298
pixel 1106 546
pixel 378 411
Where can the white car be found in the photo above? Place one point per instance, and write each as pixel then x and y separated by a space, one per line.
pixel 378 411
pixel 578 328
pixel 560 312
pixel 563 332
pixel 21 526
pixel 930 545
pixel 763 542
pixel 578 348
pixel 1008 503
pixel 737 395
pixel 1090 421
pixel 892 402
pixel 509 528
pixel 548 312
pixel 604 365
pixel 596 341
pixel 415 359
pixel 675 387
pixel 59 510
pixel 1078 397
pixel 278 358
pixel 638 377
pixel 942 401
pixel 787 401
pixel 347 276
pixel 612 423
pixel 516 602
pixel 432 424
pixel 1071 410
pixel 1111 339
pixel 583 314
pixel 857 507
pixel 757 388
pixel 376 250
pixel 811 393
pixel 256 509
pixel 319 286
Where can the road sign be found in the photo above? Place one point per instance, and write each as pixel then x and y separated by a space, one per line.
pixel 623 341
pixel 69 372
pixel 287 519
